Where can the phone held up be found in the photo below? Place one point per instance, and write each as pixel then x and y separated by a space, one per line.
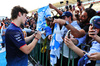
pixel 66 2
pixel 61 2
pixel 90 5
pixel 79 2
pixel 68 33
pixel 93 25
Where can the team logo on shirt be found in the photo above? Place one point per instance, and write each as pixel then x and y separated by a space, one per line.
pixel 18 37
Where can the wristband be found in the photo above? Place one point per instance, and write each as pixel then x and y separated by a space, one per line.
pixel 37 38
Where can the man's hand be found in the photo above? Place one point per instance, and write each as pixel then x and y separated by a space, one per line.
pixel 79 6
pixel 38 35
pixel 75 41
pixel 68 42
pixel 51 6
pixel 92 32
pixel 95 56
pixel 50 37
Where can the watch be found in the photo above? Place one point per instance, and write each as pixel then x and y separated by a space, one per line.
pixel 66 23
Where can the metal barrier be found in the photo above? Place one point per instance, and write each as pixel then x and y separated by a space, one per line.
pixel 41 54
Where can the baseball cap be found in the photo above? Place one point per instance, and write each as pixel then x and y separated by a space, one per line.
pixel 96 21
pixel 67 13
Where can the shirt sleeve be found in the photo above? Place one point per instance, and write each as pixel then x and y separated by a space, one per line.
pixel 17 38
pixel 81 40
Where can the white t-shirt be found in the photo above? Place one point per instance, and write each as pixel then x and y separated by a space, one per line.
pixel 95 47
pixel 65 48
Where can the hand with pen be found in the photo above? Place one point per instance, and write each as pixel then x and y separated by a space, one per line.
pixel 38 35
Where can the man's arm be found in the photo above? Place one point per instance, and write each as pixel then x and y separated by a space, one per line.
pixel 28 48
pixel 71 45
pixel 53 7
pixel 28 39
pixel 81 7
pixel 76 33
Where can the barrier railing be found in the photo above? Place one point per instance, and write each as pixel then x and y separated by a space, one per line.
pixel 41 54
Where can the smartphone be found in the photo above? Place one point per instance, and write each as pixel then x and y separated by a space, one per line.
pixel 91 5
pixel 67 8
pixel 61 2
pixel 79 2
pixel 68 33
pixel 73 7
pixel 70 7
pixel 93 24
pixel 66 2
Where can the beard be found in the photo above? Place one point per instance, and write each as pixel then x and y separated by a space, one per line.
pixel 84 21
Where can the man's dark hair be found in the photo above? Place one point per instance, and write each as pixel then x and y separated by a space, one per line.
pixel 16 10
pixel 90 12
pixel 71 17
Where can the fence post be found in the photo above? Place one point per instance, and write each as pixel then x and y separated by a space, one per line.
pixel 40 53
pixel 62 54
pixel 47 52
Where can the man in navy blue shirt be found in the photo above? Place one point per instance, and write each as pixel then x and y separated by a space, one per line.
pixel 16 47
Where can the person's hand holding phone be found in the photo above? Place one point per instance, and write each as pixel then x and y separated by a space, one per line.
pixel 68 42
pixel 92 32
pixel 67 2
pixel 91 5
pixel 73 7
pixel 79 5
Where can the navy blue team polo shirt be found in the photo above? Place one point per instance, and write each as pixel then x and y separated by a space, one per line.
pixel 15 40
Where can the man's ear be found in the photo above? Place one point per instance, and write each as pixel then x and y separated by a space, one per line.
pixel 19 14
pixel 70 17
